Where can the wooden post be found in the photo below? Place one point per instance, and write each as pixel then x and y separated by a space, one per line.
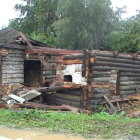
pixel 115 82
pixel 0 69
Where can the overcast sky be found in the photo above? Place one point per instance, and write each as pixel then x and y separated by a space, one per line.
pixel 7 12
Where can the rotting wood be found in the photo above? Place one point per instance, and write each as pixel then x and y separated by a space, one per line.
pixel 70 62
pixel 38 106
pixel 57 88
pixel 110 103
pixel 73 57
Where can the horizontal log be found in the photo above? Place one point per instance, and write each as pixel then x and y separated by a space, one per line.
pixel 118 60
pixel 129 87
pixel 72 92
pixel 101 90
pixel 22 55
pixel 12 67
pixel 106 68
pixel 99 75
pixel 67 97
pixel 12 72
pixel 51 76
pixel 61 102
pixel 113 64
pixel 125 83
pixel 102 79
pixel 129 92
pixel 39 106
pixel 70 62
pixel 128 74
pixel 12 75
pixel 13 59
pixel 129 79
pixel 100 85
pixel 101 72
pixel 12 81
pixel 16 51
pixel 121 55
pixel 73 57
pixel 13 63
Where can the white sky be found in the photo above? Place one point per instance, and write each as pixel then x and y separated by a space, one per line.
pixel 7 12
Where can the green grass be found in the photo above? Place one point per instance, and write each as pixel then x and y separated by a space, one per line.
pixel 101 124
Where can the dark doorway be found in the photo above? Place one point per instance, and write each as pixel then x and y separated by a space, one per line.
pixel 32 72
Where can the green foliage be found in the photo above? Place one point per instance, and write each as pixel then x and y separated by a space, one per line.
pixel 127 39
pixel 101 124
pixel 84 24
pixel 37 17
pixel 72 24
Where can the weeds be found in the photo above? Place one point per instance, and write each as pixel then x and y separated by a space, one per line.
pixel 101 124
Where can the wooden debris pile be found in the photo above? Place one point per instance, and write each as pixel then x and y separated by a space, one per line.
pixel 31 97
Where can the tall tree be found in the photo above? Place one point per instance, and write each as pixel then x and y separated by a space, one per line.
pixel 84 23
pixel 37 17
pixel 127 38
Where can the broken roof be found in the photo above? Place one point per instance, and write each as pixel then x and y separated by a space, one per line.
pixel 9 36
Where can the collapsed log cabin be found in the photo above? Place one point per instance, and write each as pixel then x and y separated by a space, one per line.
pixel 17 65
pixel 108 74
pixel 96 73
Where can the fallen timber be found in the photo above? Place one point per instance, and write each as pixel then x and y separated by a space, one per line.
pixel 32 105
pixel 56 88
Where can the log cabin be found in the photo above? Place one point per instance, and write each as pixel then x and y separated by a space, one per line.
pixel 24 60
pixel 97 74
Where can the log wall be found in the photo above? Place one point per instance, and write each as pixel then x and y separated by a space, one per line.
pixel 108 73
pixel 114 75
pixel 13 67
pixel 53 71
pixel 72 97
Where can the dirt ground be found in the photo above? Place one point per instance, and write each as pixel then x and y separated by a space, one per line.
pixel 13 134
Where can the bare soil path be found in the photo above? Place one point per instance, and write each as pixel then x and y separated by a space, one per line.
pixel 13 134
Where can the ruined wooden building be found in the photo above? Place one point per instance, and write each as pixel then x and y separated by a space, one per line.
pixel 23 60
pixel 96 74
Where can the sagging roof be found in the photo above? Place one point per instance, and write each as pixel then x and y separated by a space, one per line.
pixel 11 36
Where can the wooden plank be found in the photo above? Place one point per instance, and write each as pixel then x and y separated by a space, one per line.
pixel 111 105
pixel 98 85
pixel 70 62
